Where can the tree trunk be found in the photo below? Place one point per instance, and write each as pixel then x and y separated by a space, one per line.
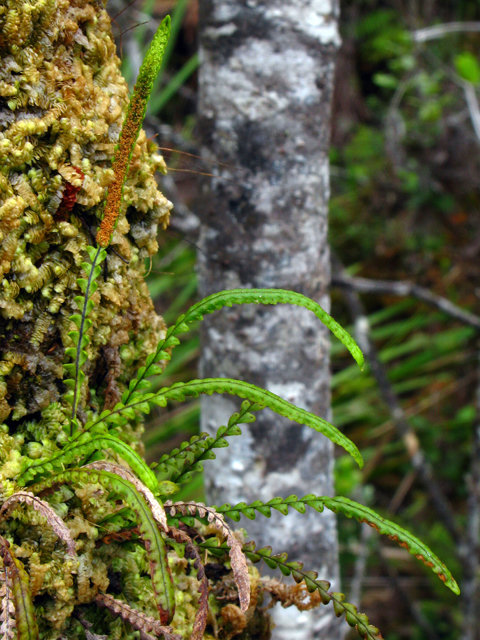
pixel 266 83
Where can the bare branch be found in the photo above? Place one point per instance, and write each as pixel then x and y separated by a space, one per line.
pixel 473 107
pixel 441 30
pixel 469 550
pixel 412 444
pixel 364 285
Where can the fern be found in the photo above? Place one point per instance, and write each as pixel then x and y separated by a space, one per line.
pixel 179 465
pixel 138 487
pixel 78 336
pixel 261 397
pixel 83 448
pixel 131 129
pixel 350 509
pixel 25 621
pixel 295 569
pixel 227 299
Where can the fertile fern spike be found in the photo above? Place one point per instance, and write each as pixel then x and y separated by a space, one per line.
pixel 79 337
pixel 181 463
pixel 350 509
pixel 227 299
pixel 83 447
pixel 148 528
pixel 261 397
pixel 131 129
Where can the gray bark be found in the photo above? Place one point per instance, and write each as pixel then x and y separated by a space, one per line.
pixel 266 83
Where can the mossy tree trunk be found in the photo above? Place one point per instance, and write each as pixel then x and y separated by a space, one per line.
pixel 62 100
pixel 266 82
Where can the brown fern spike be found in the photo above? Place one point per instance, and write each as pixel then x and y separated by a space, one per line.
pixel 130 130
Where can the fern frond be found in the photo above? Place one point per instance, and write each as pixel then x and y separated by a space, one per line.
pixel 156 508
pixel 179 465
pixel 148 529
pixel 131 129
pixel 181 390
pixel 227 299
pixel 139 620
pixel 280 561
pixel 7 615
pixel 57 524
pixel 80 339
pixel 25 621
pixel 237 558
pixel 350 509
pixel 84 446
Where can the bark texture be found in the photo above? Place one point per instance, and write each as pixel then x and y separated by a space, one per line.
pixel 265 89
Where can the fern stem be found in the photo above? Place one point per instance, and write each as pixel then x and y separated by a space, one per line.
pixel 76 390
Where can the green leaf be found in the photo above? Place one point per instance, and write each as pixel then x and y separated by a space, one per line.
pixel 468 67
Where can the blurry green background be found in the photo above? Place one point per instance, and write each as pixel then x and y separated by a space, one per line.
pixel 405 176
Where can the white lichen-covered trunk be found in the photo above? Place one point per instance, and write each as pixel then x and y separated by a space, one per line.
pixel 266 83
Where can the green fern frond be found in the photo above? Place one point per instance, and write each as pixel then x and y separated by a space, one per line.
pixel 350 509
pixel 280 561
pixel 222 299
pixel 79 336
pixel 17 577
pixel 148 528
pixel 208 386
pixel 179 465
pixel 84 447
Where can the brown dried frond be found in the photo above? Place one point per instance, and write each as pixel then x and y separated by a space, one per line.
pixel 191 551
pixel 158 511
pixel 47 512
pixel 139 621
pixel 237 557
pixel 291 594
pixel 7 615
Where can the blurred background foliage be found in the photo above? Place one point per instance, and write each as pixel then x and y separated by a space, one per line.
pixel 405 202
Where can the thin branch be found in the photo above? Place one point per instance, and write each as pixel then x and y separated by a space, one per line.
pixel 473 107
pixel 364 285
pixel 441 30
pixel 412 444
pixel 469 550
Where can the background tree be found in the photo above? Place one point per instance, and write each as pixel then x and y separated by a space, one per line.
pixel 265 88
